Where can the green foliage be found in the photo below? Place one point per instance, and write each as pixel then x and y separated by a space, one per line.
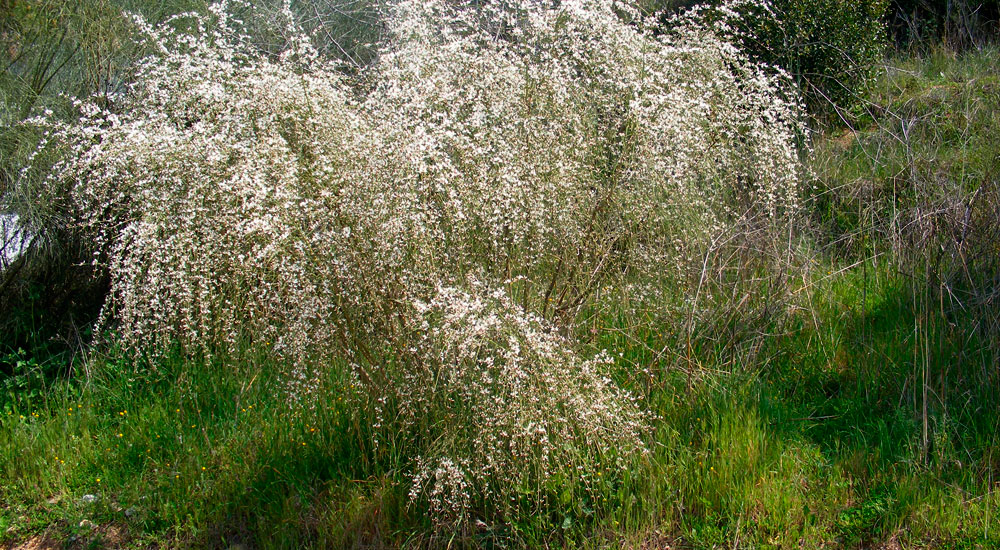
pixel 815 448
pixel 858 523
pixel 23 384
pixel 830 47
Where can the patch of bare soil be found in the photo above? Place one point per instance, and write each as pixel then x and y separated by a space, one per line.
pixel 110 536
pixel 37 542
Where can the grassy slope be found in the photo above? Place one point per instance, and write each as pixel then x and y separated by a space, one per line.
pixel 818 442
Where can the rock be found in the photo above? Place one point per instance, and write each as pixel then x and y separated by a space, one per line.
pixel 16 240
pixel 88 499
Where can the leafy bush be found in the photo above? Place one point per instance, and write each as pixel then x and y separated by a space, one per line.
pixel 830 47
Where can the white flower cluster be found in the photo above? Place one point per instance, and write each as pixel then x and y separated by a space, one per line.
pixel 523 409
pixel 441 222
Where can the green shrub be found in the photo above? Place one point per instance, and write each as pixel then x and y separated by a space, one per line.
pixel 830 47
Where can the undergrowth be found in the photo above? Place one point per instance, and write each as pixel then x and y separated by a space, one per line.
pixel 818 445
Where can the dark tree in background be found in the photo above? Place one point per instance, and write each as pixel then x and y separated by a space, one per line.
pixel 958 24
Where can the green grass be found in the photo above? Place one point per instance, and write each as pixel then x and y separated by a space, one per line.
pixel 197 452
pixel 928 133
pixel 819 444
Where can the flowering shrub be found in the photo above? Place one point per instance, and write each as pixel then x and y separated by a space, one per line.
pixel 445 223
pixel 603 156
pixel 528 414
